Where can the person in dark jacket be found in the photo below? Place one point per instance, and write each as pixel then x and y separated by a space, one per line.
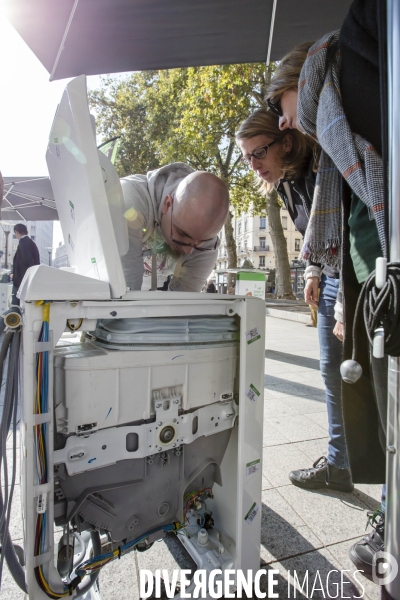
pixel 286 160
pixel 27 255
pixel 337 102
pixel 211 289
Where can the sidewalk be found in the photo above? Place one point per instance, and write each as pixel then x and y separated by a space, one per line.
pixel 301 531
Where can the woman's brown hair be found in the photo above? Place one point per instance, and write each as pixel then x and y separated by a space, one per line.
pixel 287 74
pixel 264 122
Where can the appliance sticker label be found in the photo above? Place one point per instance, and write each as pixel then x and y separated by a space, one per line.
pixel 252 393
pixel 249 518
pixel 252 335
pixel 253 467
pixel 72 211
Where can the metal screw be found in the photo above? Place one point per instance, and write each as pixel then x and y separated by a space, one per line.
pixel 173 445
pixel 391 449
pixel 176 401
pixel 174 420
pixel 104 447
pixel 159 449
pixel 160 423
pixel 158 405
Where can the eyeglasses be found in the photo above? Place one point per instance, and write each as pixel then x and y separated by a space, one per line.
pixel 275 107
pixel 178 243
pixel 259 153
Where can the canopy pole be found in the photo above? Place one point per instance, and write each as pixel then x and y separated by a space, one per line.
pixel 392 533
pixel 271 32
pixel 61 48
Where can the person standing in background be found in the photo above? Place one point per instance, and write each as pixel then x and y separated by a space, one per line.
pixel 27 255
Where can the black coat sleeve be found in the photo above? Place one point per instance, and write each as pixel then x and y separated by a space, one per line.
pixel 26 256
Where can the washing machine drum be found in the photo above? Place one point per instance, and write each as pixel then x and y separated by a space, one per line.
pixel 122 334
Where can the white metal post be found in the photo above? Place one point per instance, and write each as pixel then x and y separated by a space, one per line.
pixel 392 533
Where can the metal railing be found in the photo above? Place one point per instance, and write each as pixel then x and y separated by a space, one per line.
pixel 261 249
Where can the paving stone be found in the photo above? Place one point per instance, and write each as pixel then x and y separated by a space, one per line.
pixel 340 552
pixel 167 553
pixel 266 485
pixel 318 576
pixel 276 507
pixel 15 526
pixel 303 405
pixel 313 449
pixel 276 408
pixel 310 378
pixel 10 465
pixel 9 589
pixel 290 360
pixel 333 516
pixel 369 493
pixel 272 436
pixel 278 461
pixel 273 367
pixel 294 388
pixel 297 428
pixel 320 418
pixel 119 579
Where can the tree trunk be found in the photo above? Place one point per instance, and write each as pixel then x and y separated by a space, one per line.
pixel 232 254
pixel 283 284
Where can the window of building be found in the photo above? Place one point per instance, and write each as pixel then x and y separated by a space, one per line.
pixel 245 244
pixel 225 252
pixel 262 261
pixel 297 245
pixel 245 225
pixel 284 222
pixel 226 264
pixel 263 223
pixel 239 227
pixel 262 242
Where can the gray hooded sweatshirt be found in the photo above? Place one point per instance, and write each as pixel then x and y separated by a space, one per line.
pixel 143 197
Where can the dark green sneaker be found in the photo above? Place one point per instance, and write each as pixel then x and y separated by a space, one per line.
pixel 322 475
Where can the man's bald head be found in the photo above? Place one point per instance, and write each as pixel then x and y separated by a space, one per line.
pixel 205 193
pixel 200 207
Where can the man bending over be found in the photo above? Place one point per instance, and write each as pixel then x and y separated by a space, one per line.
pixel 174 216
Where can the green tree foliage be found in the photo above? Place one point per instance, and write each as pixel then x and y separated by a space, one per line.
pixel 189 115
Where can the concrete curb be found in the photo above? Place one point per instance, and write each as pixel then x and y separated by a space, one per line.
pixel 289 316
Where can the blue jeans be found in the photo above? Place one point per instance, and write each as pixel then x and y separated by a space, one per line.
pixel 331 350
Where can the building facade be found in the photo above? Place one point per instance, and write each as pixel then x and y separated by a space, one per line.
pixel 41 232
pixel 61 257
pixel 253 241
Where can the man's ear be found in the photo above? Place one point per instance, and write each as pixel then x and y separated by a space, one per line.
pixel 167 202
pixel 287 143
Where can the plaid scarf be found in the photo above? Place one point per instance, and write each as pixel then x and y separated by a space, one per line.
pixel 344 154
